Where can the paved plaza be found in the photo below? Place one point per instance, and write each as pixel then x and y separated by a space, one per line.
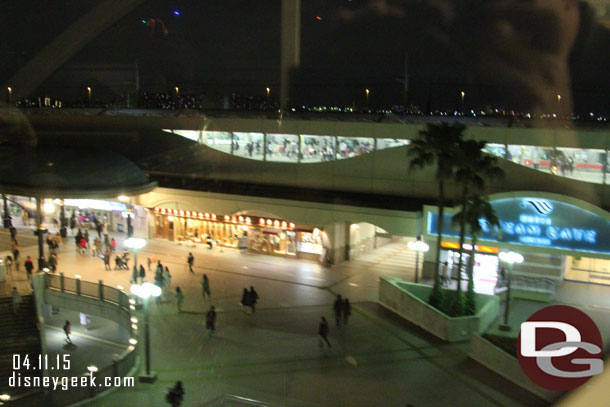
pixel 273 356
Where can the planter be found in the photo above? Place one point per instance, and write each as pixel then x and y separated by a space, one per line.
pixel 410 301
pixel 507 366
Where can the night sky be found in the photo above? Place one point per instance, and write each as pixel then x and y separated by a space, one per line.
pixel 219 47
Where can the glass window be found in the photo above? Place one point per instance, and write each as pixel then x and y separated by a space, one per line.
pixel 220 140
pixel 317 148
pixel 498 150
pixel 352 147
pixel 283 147
pixel 249 145
pixel 383 143
pixel 581 164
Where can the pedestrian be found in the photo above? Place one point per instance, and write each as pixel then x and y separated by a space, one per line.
pixel 105 231
pixel 29 266
pixel 86 237
pixel 159 267
pixel 113 244
pixel 337 308
pixel 253 299
pixel 15 250
pixel 13 231
pixel 16 301
pixel 83 245
pixel 167 278
pixel 78 237
pixel 52 263
pixel 67 331
pixel 210 320
pixel 190 261
pixel 9 263
pixel 149 261
pixel 245 299
pixel 107 260
pixel 179 298
pixel 98 227
pixel 323 332
pixel 175 395
pixel 205 287
pixel 158 283
pixel 142 273
pixel 346 310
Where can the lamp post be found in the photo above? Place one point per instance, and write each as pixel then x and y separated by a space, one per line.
pixel 10 95
pixel 135 243
pixel 462 94
pixel 367 92
pixel 145 291
pixel 89 94
pixel 418 246
pixel 7 216
pixel 511 258
pixel 268 92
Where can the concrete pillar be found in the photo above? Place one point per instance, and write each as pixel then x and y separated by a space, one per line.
pixel 291 46
pixel 338 236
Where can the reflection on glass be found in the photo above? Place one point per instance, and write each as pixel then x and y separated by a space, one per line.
pixel 383 143
pixel 317 148
pixel 249 145
pixel 282 147
pixel 498 150
pixel 353 147
pixel 220 140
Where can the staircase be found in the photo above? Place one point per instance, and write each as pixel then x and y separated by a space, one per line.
pixel 19 335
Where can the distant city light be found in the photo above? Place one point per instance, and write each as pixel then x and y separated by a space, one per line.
pixel 143 21
pixel 318 18
pixel 176 12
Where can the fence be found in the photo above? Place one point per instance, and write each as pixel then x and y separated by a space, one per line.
pixel 117 372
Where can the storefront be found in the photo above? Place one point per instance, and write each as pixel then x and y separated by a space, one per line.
pixel 256 234
pixel 561 238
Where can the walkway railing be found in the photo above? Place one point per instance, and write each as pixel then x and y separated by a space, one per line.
pixel 117 373
pixel 528 283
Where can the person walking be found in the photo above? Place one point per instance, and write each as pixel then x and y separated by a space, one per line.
pixel 179 299
pixel 13 231
pixel 149 261
pixel 67 331
pixel 175 395
pixel 113 244
pixel 105 231
pixel 15 251
pixel 107 260
pixel 142 273
pixel 337 308
pixel 205 287
pixel 83 245
pixel 158 283
pixel 16 301
pixel 86 237
pixel 253 298
pixel 323 332
pixel 167 278
pixel 52 262
pixel 210 320
pixel 245 299
pixel 346 310
pixel 190 261
pixel 9 264
pixel 29 266
pixel 72 223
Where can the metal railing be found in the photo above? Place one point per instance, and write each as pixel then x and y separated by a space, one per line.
pixel 528 283
pixel 121 365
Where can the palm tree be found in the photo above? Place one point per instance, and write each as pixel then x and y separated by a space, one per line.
pixel 478 210
pixel 438 143
pixel 475 169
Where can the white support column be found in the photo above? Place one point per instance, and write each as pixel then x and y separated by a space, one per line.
pixel 291 46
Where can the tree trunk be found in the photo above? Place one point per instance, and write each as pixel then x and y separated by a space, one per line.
pixel 462 238
pixel 441 216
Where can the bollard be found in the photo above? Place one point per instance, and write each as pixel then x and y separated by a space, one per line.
pixel 61 282
pixel 101 290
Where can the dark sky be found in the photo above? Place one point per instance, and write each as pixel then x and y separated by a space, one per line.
pixel 233 45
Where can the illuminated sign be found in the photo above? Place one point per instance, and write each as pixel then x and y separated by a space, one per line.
pixel 538 222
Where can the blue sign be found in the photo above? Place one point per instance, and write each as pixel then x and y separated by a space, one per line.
pixel 538 222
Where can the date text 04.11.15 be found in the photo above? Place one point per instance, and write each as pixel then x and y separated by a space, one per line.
pixel 41 362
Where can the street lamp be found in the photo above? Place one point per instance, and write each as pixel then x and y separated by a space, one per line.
pixel 135 243
pixel 462 94
pixel 10 95
pixel 511 258
pixel 418 246
pixel 145 291
pixel 268 91
pixel 367 92
pixel 177 90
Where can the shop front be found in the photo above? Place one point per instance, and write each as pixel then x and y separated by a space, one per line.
pixel 561 238
pixel 256 234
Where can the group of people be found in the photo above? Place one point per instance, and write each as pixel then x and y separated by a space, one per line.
pixel 249 299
